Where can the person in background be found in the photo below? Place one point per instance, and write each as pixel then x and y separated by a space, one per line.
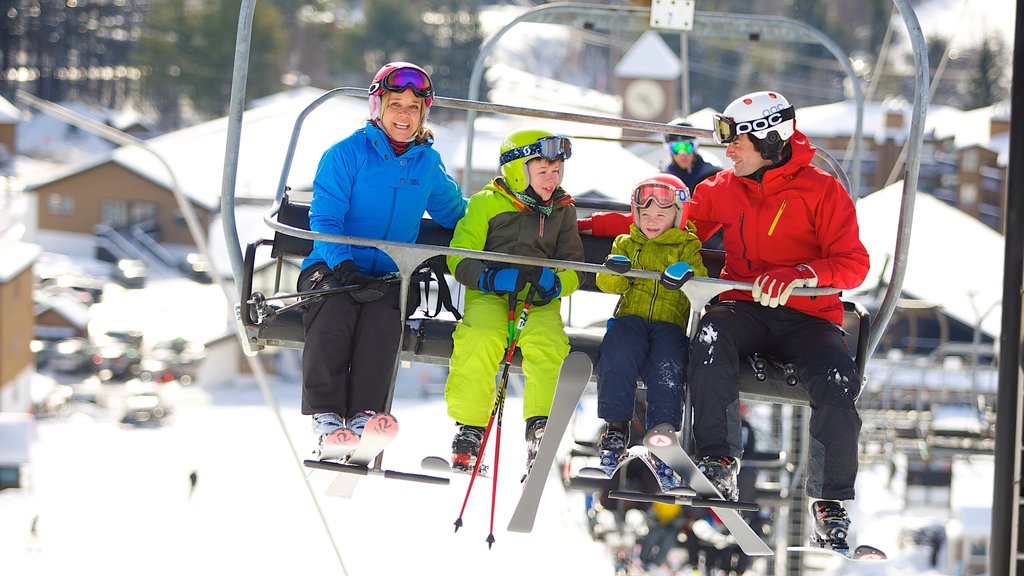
pixel 687 164
pixel 376 183
pixel 524 212
pixel 787 225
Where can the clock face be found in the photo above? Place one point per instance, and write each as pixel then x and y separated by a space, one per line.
pixel 643 99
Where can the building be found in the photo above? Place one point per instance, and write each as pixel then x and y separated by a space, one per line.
pixel 963 158
pixel 17 324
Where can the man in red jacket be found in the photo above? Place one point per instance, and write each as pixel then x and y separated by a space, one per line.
pixel 787 224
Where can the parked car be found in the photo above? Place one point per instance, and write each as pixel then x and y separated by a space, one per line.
pixel 115 359
pixel 71 355
pixel 131 273
pixel 145 409
pixel 197 268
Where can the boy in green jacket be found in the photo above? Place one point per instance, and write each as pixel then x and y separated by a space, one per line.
pixel 524 212
pixel 647 335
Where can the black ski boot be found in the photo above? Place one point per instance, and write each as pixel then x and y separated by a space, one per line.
pixel 722 472
pixel 534 433
pixel 831 524
pixel 612 446
pixel 466 448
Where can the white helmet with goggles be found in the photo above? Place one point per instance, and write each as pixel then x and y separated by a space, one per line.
pixel 398 77
pixel 663 190
pixel 766 116
pixel 521 146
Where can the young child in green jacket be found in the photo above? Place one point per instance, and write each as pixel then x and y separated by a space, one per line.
pixel 524 212
pixel 647 335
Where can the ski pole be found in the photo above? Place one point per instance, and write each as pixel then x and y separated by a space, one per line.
pixel 499 403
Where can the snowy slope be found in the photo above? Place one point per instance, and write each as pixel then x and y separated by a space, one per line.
pixel 115 500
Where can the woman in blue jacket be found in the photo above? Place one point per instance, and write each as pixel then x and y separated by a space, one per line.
pixel 374 184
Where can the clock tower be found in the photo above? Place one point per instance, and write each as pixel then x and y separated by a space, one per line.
pixel 649 81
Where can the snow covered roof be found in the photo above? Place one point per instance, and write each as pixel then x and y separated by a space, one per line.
pixel 9 114
pixel 66 305
pixel 954 260
pixel 966 128
pixel 196 154
pixel 15 257
pixel 649 57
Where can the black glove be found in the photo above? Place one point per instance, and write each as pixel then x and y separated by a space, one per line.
pixel 676 275
pixel 366 288
pixel 547 286
pixel 618 263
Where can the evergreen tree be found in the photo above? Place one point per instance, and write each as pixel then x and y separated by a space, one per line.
pixel 188 51
pixel 987 83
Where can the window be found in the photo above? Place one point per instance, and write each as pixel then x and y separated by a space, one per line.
pixel 968 195
pixel 60 205
pixel 114 213
pixel 121 213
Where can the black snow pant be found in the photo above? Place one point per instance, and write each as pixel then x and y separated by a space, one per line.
pixel 728 334
pixel 350 347
pixel 655 352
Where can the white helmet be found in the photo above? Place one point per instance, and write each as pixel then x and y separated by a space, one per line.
pixel 766 116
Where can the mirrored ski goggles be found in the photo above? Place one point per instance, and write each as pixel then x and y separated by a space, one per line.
pixel 682 147
pixel 727 130
pixel 660 193
pixel 549 148
pixel 399 79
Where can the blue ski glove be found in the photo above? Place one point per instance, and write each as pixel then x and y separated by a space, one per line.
pixel 676 275
pixel 548 286
pixel 501 281
pixel 618 263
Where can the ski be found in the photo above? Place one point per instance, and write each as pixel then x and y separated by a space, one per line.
pixel 378 433
pixel 380 430
pixel 603 473
pixel 337 445
pixel 439 465
pixel 572 380
pixel 663 442
pixel 862 552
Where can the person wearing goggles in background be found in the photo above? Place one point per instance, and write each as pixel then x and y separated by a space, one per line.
pixel 375 183
pixel 787 225
pixel 524 212
pixel 686 163
pixel 646 338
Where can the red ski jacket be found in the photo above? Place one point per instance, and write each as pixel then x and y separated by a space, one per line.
pixel 796 214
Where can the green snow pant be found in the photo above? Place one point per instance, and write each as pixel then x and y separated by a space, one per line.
pixel 480 341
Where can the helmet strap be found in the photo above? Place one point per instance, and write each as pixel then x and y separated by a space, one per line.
pixel 770 147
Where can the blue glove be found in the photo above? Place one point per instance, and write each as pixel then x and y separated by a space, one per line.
pixel 676 275
pixel 501 281
pixel 548 286
pixel 618 263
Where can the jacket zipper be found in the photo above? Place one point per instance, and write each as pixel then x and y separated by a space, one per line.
pixel 743 241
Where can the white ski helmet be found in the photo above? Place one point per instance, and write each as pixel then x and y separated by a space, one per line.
pixel 766 116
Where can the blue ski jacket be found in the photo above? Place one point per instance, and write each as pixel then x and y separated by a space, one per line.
pixel 362 189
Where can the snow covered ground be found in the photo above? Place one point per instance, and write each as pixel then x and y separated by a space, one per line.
pixel 116 500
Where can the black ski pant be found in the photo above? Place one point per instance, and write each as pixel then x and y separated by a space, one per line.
pixel 727 335
pixel 350 347
pixel 653 351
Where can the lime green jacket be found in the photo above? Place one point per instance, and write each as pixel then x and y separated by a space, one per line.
pixel 496 221
pixel 648 299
